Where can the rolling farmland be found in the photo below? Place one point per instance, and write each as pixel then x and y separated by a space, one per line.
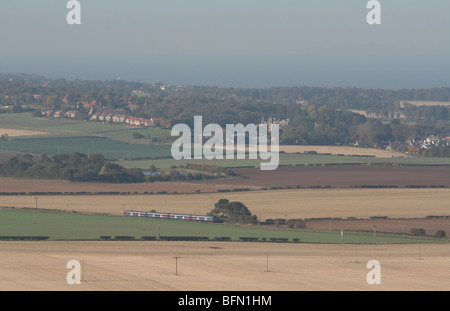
pixel 409 190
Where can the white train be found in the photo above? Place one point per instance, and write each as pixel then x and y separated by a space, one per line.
pixel 169 216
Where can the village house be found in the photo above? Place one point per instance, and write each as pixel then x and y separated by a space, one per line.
pixel 108 117
pixel 116 118
pixel 89 105
pixel 94 117
pixel 148 122
pixel 102 116
pixel 72 114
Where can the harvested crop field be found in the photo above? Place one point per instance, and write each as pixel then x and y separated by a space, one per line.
pixel 342 176
pixel 342 150
pixel 215 266
pixel 295 203
pixel 17 133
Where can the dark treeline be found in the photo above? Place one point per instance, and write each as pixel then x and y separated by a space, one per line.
pixel 440 151
pixel 188 172
pixel 375 100
pixel 227 104
pixel 78 167
pixel 74 167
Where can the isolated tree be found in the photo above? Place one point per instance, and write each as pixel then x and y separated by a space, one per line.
pixel 418 231
pixel 232 212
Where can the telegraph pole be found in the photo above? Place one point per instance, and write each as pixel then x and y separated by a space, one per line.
pixel 35 210
pixel 259 220
pixel 176 264
pixel 374 234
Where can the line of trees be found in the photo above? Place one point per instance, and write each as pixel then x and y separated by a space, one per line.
pixel 73 167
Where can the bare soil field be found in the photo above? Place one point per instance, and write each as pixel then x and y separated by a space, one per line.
pixel 295 203
pixel 338 176
pixel 339 150
pixel 342 176
pixel 398 226
pixel 16 133
pixel 215 266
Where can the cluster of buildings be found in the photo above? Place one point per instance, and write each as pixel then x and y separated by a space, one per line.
pixel 282 123
pixel 429 142
pixel 123 118
pixel 107 116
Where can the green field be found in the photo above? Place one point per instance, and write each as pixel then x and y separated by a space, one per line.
pixel 69 127
pixel 111 149
pixel 69 136
pixel 290 159
pixel 55 127
pixel 62 226
pixel 127 134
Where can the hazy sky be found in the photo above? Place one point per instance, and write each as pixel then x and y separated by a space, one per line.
pixel 245 43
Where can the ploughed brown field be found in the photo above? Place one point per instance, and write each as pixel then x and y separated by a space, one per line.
pixel 342 176
pixel 398 226
pixel 339 176
pixel 225 266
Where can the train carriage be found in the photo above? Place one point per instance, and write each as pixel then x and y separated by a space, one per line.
pixel 205 218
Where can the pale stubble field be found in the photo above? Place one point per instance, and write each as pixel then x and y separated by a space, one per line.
pixel 298 203
pixel 225 266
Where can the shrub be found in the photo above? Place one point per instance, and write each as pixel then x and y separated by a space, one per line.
pixel 440 234
pixel 418 231
pixel 296 223
pixel 138 136
pixel 124 238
